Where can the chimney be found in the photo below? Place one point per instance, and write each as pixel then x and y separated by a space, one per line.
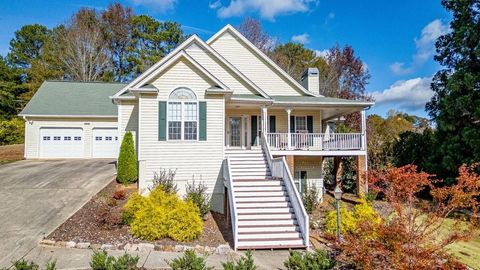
pixel 310 80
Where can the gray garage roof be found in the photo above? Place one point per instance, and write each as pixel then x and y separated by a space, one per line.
pixel 69 98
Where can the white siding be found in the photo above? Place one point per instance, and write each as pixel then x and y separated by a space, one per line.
pixel 219 70
pixel 251 65
pixel 312 165
pixel 33 125
pixel 128 118
pixel 199 160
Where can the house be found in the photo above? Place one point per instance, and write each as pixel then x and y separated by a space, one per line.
pixel 218 111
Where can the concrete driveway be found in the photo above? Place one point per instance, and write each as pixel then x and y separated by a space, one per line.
pixel 36 196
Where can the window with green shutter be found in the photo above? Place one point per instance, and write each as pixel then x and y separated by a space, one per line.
pixel 162 120
pixel 203 121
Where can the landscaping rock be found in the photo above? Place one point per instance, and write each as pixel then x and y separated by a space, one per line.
pixel 47 242
pixel 130 247
pixel 223 249
pixel 168 248
pixel 179 248
pixel 146 247
pixel 210 250
pixel 199 249
pixel 70 244
pixel 106 247
pixel 61 244
pixel 83 245
pixel 159 247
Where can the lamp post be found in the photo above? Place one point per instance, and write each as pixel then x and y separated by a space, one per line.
pixel 338 196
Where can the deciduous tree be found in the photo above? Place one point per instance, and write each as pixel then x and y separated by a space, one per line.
pixel 252 29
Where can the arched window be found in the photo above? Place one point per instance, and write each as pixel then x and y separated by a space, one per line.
pixel 182 115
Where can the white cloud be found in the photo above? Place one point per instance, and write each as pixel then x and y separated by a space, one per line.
pixel 410 94
pixel 157 5
pixel 321 53
pixel 302 38
pixel 215 4
pixel 425 47
pixel 268 9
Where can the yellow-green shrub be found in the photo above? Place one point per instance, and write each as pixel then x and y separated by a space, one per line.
pixel 349 220
pixel 161 215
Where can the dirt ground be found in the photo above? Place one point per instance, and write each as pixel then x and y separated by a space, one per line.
pixel 9 153
pixel 99 222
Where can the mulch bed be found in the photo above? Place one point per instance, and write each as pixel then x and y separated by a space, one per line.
pixel 11 152
pixel 99 222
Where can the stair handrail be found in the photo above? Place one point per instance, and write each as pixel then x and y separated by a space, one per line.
pixel 279 168
pixel 227 175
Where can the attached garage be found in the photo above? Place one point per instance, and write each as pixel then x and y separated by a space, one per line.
pixel 72 120
pixel 61 143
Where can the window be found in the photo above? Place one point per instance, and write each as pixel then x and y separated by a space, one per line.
pixel 98 138
pixel 116 138
pixel 46 138
pixel 56 138
pixel 182 115
pixel 300 123
pixel 67 138
pixel 77 138
pixel 108 138
pixel 301 181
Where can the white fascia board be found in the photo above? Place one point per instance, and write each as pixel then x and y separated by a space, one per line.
pixel 327 104
pixel 232 67
pixel 156 65
pixel 172 60
pixel 67 116
pixel 237 34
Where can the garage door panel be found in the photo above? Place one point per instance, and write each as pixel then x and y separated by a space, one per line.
pixel 105 143
pixel 61 143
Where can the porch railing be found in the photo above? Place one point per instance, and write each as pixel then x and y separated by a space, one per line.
pixel 315 141
pixel 227 175
pixel 279 168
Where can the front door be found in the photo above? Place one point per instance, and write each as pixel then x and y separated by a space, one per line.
pixel 235 130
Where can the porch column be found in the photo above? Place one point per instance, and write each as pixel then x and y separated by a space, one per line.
pixel 362 183
pixel 364 130
pixel 264 121
pixel 289 136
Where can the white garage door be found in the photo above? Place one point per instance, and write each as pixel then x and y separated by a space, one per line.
pixel 105 142
pixel 61 142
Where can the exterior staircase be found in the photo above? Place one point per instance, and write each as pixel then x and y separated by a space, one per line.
pixel 266 219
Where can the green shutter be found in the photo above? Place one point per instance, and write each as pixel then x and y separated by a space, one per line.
pixel 254 129
pixel 162 120
pixel 310 124
pixel 292 124
pixel 203 121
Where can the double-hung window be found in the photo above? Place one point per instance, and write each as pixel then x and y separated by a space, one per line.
pixel 300 123
pixel 182 115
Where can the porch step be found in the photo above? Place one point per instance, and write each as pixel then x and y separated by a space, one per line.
pixel 265 216
pixel 262 199
pixel 259 188
pixel 260 243
pixel 260 193
pixel 249 204
pixel 270 235
pixel 270 222
pixel 267 228
pixel 265 210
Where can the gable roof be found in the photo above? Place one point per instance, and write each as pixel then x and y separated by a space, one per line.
pixel 137 82
pixel 73 99
pixel 229 28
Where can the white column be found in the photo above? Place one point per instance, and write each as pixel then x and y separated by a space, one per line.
pixel 289 136
pixel 264 121
pixel 364 130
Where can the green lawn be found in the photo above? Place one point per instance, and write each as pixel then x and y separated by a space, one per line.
pixel 466 252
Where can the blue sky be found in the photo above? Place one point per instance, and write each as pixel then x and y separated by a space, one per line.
pixel 394 38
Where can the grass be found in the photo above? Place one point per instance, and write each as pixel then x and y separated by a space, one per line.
pixel 11 153
pixel 467 252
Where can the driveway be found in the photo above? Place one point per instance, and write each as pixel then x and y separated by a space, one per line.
pixel 36 196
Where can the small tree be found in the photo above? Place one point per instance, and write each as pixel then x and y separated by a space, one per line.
pixel 127 171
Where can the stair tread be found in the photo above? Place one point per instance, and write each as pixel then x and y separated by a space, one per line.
pixel 271 247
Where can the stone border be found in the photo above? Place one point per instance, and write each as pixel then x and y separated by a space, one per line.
pixel 142 247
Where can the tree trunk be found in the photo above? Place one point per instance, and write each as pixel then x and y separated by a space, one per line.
pixel 338 170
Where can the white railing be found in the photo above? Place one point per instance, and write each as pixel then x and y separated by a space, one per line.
pixel 227 175
pixel 315 141
pixel 279 168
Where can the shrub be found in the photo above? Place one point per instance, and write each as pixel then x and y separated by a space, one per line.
pixel 244 263
pixel 189 261
pixel 165 180
pixel 347 221
pixel 127 171
pixel 310 198
pixel 161 215
pixel 12 131
pixel 318 260
pixel 119 193
pixel 198 195
pixel 364 212
pixel 100 260
pixel 30 265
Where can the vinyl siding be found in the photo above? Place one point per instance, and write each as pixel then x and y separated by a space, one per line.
pixel 33 126
pixel 251 65
pixel 128 118
pixel 220 71
pixel 312 165
pixel 199 160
